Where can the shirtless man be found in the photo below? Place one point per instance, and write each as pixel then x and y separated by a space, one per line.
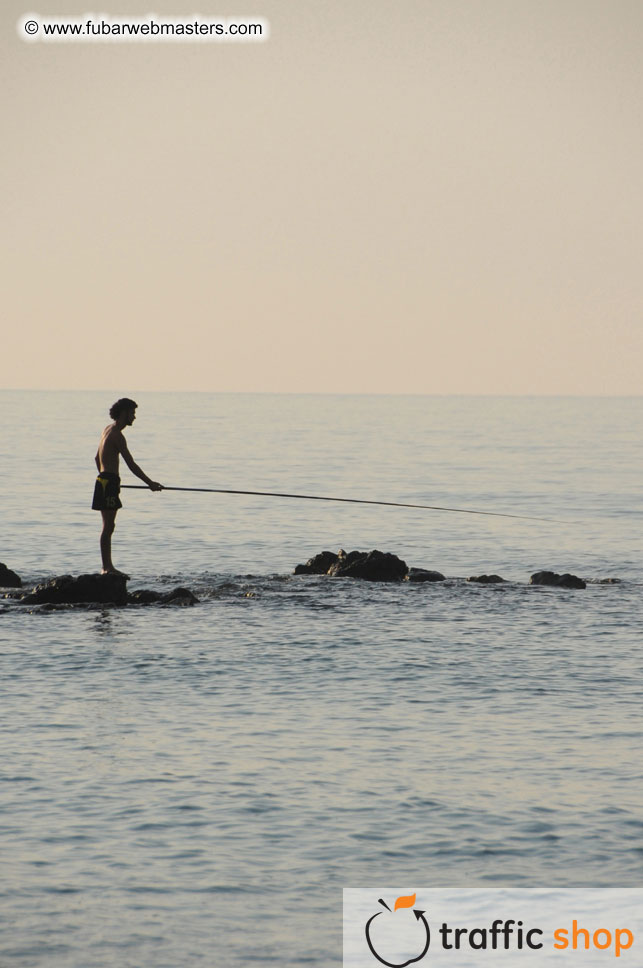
pixel 108 482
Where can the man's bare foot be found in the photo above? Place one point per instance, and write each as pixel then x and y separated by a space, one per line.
pixel 114 571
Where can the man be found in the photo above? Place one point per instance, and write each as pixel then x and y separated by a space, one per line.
pixel 108 483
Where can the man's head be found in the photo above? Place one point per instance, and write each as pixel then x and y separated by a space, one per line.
pixel 123 408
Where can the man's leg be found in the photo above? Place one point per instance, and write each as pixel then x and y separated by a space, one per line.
pixel 109 523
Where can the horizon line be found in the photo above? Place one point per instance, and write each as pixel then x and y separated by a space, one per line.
pixel 336 393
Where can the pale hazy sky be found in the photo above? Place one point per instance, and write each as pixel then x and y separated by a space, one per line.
pixel 428 196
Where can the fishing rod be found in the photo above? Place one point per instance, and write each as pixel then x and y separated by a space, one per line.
pixel 347 500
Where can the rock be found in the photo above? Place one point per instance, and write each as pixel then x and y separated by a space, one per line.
pixel 571 581
pixel 318 565
pixel 370 566
pixel 179 596
pixel 487 579
pixel 144 596
pixel 345 560
pixel 8 578
pixel 86 589
pixel 423 574
pixel 102 590
pixel 558 581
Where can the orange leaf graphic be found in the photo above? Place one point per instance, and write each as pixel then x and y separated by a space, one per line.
pixel 408 901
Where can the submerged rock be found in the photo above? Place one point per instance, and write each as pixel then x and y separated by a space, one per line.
pixel 178 596
pixel 487 579
pixel 8 578
pixel 86 589
pixel 557 581
pixel 424 574
pixel 144 596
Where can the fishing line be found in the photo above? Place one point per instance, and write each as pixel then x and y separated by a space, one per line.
pixel 347 500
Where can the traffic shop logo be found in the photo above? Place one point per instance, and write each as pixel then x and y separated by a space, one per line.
pixel 399 937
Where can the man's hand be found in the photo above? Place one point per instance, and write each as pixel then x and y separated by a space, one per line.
pixel 155 486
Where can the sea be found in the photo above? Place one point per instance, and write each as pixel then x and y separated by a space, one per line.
pixel 195 786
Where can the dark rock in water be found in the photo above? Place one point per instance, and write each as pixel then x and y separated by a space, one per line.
pixel 318 565
pixel 423 574
pixel 179 596
pixel 345 560
pixel 370 566
pixel 487 579
pixel 86 589
pixel 102 590
pixel 144 596
pixel 8 578
pixel 609 581
pixel 558 581
pixel 571 581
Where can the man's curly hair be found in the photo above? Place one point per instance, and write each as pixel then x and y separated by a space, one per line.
pixel 123 404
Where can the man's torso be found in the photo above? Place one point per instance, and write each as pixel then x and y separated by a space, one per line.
pixel 109 448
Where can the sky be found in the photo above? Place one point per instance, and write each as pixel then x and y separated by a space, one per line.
pixel 429 196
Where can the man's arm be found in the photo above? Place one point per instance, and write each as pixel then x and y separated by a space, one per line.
pixel 135 469
pixel 97 459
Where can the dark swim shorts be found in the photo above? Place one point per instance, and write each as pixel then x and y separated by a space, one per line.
pixel 106 492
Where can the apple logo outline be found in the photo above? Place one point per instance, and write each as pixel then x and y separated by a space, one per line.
pixel 419 916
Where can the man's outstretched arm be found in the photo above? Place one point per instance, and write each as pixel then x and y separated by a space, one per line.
pixel 135 469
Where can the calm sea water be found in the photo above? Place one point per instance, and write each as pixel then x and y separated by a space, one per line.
pixel 186 787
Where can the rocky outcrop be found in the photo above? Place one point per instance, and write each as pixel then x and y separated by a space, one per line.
pixel 8 578
pixel 423 574
pixel 557 581
pixel 487 579
pixel 381 566
pixel 102 590
pixel 367 565
pixel 319 565
pixel 372 566
pixel 86 589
